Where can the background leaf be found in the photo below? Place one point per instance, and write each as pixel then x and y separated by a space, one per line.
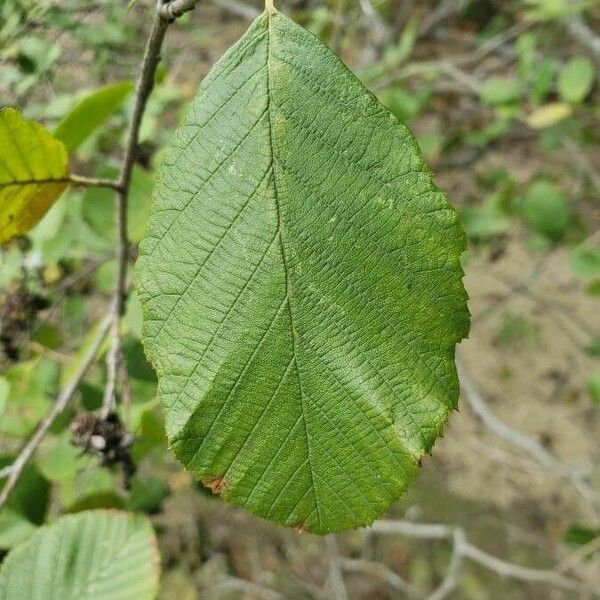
pixel 95 555
pixel 301 288
pixel 545 210
pixel 91 113
pixel 576 80
pixel 29 154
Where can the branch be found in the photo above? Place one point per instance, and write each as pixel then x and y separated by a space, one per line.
pixel 166 12
pixel 335 578
pixel 379 571
pixel 580 32
pixel 575 477
pixel 13 472
pixel 463 549
pixel 112 320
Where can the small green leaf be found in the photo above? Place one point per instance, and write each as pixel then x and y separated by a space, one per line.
pixel 576 80
pixel 545 210
pixel 34 173
pixel 593 387
pixel 14 528
pixel 586 262
pixel 94 555
pixel 579 535
pixel 593 348
pixel 31 494
pixel 499 90
pixel 301 288
pixel 91 113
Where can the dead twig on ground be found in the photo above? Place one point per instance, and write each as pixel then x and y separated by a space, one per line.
pixel 464 550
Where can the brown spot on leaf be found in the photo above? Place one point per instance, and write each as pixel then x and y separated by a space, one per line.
pixel 300 527
pixel 216 485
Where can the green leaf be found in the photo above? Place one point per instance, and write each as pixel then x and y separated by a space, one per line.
pixel 14 528
pixel 91 113
pixel 593 387
pixel 99 205
pixel 576 80
pixel 545 210
pixel 301 288
pixel 586 262
pixel 31 494
pixel 94 555
pixel 34 173
pixel 499 90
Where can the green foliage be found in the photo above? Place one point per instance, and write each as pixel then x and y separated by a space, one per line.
pixel 576 80
pixel 34 156
pixel 98 207
pixel 301 288
pixel 593 387
pixel 91 113
pixel 97 555
pixel 544 208
pixel 497 91
pixel 585 261
pixel 515 329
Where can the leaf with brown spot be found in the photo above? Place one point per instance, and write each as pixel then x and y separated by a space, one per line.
pixel 216 485
pixel 34 172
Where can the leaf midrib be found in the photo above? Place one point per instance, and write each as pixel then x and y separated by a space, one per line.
pixel 270 12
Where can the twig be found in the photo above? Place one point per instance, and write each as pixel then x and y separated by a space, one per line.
pixel 579 555
pixel 378 571
pixel 581 33
pixel 381 32
pixel 576 477
pixel 443 11
pixel 335 578
pixel 165 13
pixel 464 549
pixel 112 321
pixel 14 471
pixel 236 584
pixel 451 580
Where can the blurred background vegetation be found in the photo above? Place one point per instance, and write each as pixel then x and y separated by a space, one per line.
pixel 504 100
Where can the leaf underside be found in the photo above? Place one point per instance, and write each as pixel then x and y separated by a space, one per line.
pixel 301 288
pixel 94 555
pixel 33 173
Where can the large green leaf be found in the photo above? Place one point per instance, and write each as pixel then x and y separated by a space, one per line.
pixel 301 288
pixel 34 172
pixel 94 555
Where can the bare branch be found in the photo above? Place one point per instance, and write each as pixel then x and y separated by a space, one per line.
pixel 335 578
pixel 450 582
pixel 463 549
pixel 576 477
pixel 14 471
pixel 176 8
pixel 165 13
pixel 379 571
pixel 581 33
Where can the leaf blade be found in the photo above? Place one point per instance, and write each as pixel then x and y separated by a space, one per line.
pixel 33 173
pixel 276 288
pixel 99 555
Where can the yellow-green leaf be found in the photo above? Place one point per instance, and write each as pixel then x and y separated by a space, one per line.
pixel 34 172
